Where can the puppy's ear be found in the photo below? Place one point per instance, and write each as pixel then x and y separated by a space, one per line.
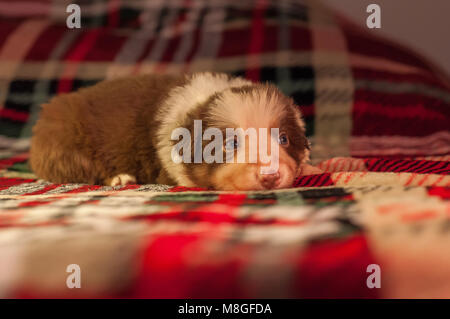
pixel 298 116
pixel 310 170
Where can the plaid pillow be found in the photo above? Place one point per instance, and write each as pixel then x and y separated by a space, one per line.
pixel 360 95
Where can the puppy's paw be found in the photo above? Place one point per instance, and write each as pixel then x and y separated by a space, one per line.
pixel 121 179
pixel 310 170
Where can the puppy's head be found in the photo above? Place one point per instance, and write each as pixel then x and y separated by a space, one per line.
pixel 262 145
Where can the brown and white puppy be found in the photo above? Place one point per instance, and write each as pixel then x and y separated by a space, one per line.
pixel 120 132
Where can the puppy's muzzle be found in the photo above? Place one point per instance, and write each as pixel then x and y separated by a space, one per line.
pixel 269 181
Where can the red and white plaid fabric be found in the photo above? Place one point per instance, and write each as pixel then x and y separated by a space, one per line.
pixel 377 115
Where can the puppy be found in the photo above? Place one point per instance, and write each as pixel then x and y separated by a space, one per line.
pixel 122 132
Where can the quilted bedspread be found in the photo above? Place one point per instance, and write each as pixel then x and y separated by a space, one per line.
pixel 377 115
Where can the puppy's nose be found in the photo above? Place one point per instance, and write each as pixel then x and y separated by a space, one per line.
pixel 269 181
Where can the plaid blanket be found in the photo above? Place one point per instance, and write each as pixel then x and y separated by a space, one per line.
pixel 377 115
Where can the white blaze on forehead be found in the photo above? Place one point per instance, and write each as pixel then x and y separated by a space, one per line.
pixel 257 108
pixel 198 90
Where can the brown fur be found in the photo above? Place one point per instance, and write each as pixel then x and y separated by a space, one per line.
pixel 96 133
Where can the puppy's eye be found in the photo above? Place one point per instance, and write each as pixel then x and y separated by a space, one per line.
pixel 231 144
pixel 307 145
pixel 283 139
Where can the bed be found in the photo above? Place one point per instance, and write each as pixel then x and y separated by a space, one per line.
pixel 375 224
